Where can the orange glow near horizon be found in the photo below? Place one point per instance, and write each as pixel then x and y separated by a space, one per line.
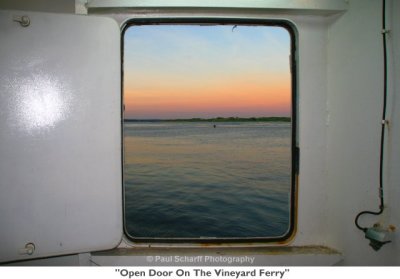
pixel 260 99
pixel 253 89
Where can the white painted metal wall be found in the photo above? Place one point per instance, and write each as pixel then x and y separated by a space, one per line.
pixel 60 135
pixel 355 97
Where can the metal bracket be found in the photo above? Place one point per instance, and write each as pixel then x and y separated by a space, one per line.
pixel 23 20
pixel 28 249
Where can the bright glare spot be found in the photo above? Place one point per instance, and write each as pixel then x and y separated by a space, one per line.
pixel 41 103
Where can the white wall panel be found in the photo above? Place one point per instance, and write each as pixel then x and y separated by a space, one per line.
pixel 355 98
pixel 60 165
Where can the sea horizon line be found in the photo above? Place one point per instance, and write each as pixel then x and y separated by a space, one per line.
pixel 216 119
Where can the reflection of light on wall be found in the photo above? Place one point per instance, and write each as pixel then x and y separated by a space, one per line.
pixel 40 103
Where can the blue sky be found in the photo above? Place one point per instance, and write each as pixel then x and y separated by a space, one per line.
pixel 175 71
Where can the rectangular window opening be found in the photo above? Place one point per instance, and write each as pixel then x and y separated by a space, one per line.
pixel 209 129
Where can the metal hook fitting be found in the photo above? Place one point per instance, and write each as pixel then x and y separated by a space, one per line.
pixel 23 20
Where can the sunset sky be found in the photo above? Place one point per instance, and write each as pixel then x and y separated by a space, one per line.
pixel 187 71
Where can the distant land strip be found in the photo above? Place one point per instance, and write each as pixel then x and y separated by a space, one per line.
pixel 217 119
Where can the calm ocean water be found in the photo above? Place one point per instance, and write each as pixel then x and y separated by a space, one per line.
pixel 193 180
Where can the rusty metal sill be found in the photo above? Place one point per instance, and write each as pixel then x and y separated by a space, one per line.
pixel 284 256
pixel 284 250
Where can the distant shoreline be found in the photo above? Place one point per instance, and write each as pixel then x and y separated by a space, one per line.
pixel 217 119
